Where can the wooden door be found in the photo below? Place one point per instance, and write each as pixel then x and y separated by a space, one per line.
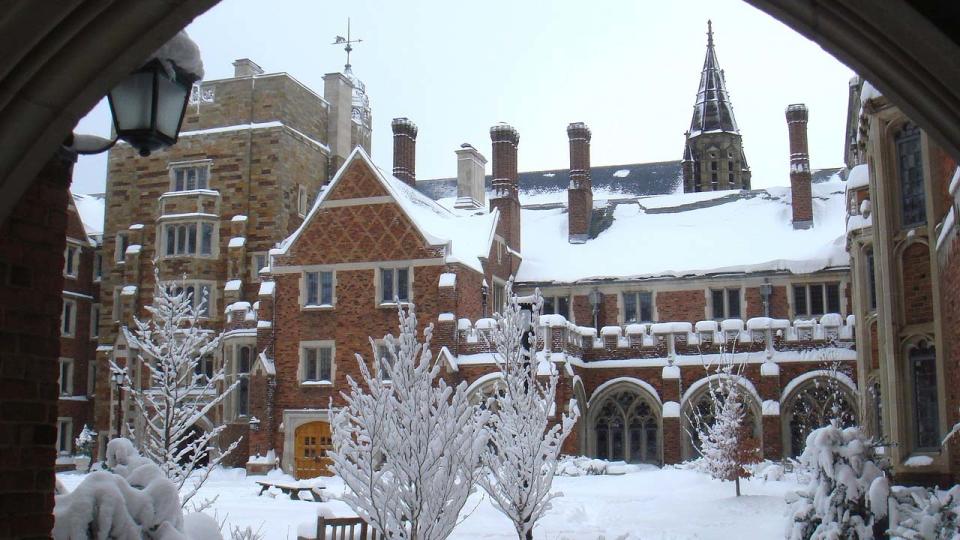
pixel 312 442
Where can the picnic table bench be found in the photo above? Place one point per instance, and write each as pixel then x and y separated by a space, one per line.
pixel 293 489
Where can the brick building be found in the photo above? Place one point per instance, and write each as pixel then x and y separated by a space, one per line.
pixel 902 238
pixel 79 322
pixel 253 152
pixel 628 332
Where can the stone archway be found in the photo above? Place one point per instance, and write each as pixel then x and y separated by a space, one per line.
pixel 697 407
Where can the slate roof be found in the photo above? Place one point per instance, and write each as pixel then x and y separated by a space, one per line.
pixel 633 180
pixel 712 111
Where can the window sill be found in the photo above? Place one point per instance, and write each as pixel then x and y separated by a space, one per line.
pixel 188 256
pixel 322 383
pixel 68 276
pixel 318 307
pixel 393 305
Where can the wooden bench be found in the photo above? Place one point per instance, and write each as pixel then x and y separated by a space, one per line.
pixel 293 490
pixel 348 528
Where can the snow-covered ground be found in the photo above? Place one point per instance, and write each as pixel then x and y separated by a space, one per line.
pixel 646 503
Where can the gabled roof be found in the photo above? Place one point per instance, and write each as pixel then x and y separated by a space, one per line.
pixel 687 234
pixel 630 180
pixel 469 237
pixel 712 111
pixel 91 210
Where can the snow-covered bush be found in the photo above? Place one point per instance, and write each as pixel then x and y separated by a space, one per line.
pixel 918 513
pixel 408 445
pixel 525 438
pixel 172 344
pixel 847 493
pixel 581 466
pixel 85 441
pixel 132 500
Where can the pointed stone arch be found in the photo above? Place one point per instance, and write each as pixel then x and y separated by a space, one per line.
pixel 624 422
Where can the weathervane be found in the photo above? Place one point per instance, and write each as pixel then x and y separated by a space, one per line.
pixel 346 41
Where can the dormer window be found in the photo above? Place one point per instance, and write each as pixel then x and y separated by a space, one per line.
pixel 188 177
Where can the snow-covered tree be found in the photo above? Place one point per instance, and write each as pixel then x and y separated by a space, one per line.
pixel 525 437
pixel 725 442
pixel 408 445
pixel 176 393
pixel 85 440
pixel 918 513
pixel 847 496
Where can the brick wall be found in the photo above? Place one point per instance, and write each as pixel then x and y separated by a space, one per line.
pixel 32 240
pixel 917 291
pixel 680 305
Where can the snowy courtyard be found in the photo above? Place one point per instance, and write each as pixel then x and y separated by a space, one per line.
pixel 646 502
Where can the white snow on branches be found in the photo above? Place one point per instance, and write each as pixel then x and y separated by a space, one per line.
pixel 847 491
pixel 524 442
pixel 408 445
pixel 172 344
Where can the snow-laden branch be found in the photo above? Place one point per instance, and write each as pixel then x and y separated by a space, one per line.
pixel 407 445
pixel 174 393
pixel 525 441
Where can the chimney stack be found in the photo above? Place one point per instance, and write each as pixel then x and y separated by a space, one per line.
pixel 799 166
pixel 471 192
pixel 580 191
pixel 245 67
pixel 505 140
pixel 405 150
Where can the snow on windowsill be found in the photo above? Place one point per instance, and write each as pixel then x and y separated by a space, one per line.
pixel 316 383
pixel 394 305
pixel 317 307
pixel 918 461
pixel 189 192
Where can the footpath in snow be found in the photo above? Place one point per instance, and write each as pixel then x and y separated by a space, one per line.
pixel 646 502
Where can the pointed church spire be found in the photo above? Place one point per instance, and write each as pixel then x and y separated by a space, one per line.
pixel 712 111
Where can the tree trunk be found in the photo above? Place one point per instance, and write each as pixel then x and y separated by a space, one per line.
pixel 737 482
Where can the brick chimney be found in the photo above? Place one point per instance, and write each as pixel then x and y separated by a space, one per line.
pixel 505 140
pixel 799 166
pixel 405 150
pixel 580 192
pixel 245 67
pixel 471 193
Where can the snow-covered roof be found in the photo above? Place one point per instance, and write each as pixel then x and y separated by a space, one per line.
pixel 469 236
pixel 688 234
pixel 90 208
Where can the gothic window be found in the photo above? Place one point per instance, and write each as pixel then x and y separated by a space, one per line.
pixel 244 354
pixel 725 303
pixel 188 239
pixel 557 305
pixel 871 279
pixel 394 285
pixel 627 429
pixel 318 289
pixel 317 363
pixel 813 406
pixel 204 368
pixel 922 360
pixel 910 170
pixel 637 307
pixel 816 299
pixel 122 242
pixel 189 177
pixel 876 401
pixel 71 261
pixel 199 294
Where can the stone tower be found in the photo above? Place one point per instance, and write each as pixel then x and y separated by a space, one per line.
pixel 713 157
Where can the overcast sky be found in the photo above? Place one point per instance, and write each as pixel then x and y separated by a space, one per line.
pixel 628 69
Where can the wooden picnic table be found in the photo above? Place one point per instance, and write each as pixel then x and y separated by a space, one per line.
pixel 293 490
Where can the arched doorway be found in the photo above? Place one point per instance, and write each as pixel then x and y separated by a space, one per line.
pixel 312 441
pixel 624 425
pixel 813 404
